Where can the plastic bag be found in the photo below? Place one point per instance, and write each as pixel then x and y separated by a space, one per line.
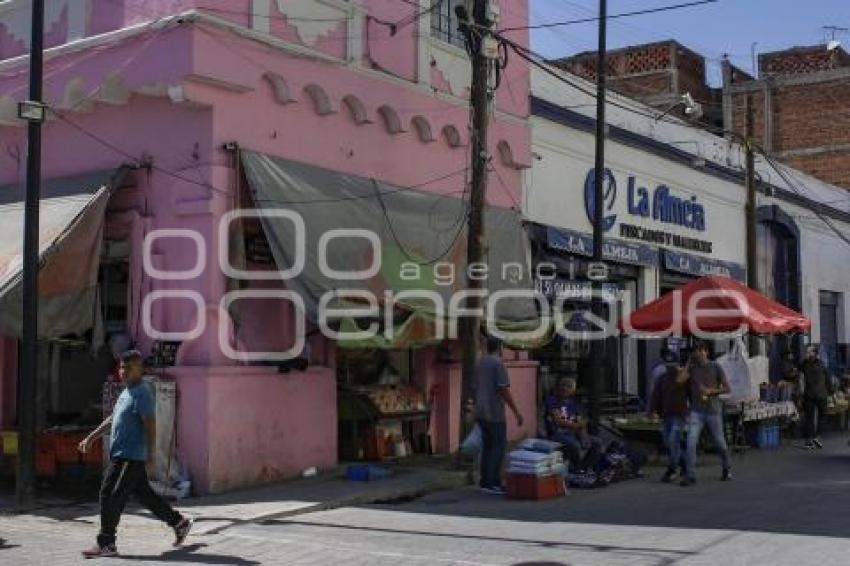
pixel 473 442
pixel 734 365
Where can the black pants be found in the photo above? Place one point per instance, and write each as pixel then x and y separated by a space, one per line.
pixel 493 443
pixel 815 411
pixel 121 479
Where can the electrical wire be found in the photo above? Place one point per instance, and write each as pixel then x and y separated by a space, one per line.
pixel 402 247
pixel 815 209
pixel 171 173
pixel 611 17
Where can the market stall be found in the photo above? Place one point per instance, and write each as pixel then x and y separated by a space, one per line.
pixel 382 412
pixel 720 307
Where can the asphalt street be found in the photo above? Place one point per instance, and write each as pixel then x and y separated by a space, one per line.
pixel 783 507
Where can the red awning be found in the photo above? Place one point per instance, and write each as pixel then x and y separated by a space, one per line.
pixel 714 305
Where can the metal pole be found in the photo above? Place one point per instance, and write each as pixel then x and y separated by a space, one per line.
pixel 25 489
pixel 598 345
pixel 752 220
pixel 480 102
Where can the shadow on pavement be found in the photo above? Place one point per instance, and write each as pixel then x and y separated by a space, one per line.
pixel 189 555
pixel 784 491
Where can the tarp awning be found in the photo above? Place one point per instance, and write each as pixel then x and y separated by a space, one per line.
pixel 71 221
pixel 714 304
pixel 422 244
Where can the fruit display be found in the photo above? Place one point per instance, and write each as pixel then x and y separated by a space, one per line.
pixel 397 399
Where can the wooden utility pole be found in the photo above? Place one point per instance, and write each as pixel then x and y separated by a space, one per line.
pixel 481 97
pixel 598 272
pixel 752 221
pixel 33 112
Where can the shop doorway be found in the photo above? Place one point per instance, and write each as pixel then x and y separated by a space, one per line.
pixel 829 303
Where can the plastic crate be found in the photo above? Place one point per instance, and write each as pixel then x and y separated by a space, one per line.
pixel 94 457
pixel 65 446
pixel 523 486
pixel 45 463
pixel 366 472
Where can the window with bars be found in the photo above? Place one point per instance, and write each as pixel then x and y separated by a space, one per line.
pixel 444 22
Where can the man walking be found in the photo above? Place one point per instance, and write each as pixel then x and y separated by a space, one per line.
pixel 132 437
pixel 815 392
pixel 706 383
pixel 492 393
pixel 670 401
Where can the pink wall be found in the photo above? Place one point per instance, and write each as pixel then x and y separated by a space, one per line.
pixel 444 381
pixel 244 426
pixel 241 426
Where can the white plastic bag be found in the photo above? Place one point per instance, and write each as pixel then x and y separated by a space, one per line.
pixel 473 442
pixel 759 370
pixel 734 364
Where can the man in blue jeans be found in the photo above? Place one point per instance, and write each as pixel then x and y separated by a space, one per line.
pixel 706 383
pixel 492 393
pixel 669 400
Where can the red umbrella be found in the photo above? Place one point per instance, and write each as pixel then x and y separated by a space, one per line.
pixel 714 305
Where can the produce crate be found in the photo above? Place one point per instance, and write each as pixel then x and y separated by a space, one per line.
pixel 524 486
pixel 94 456
pixel 10 442
pixel 65 446
pixel 45 463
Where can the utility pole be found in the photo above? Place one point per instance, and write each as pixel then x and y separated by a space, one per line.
pixel 32 111
pixel 598 271
pixel 752 221
pixel 481 96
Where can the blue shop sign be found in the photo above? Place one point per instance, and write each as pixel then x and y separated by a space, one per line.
pixel 661 203
pixel 612 250
pixel 575 289
pixel 700 266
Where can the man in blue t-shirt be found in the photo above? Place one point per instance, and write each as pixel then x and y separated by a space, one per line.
pixel 133 429
pixel 565 425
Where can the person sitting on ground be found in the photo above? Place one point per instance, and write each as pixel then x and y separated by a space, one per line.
pixel 567 426
pixel 670 401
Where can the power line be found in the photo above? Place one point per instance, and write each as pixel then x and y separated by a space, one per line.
pixel 815 209
pixel 611 17
pixel 206 185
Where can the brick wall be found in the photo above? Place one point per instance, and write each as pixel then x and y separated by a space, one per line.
pixel 647 70
pixel 801 60
pixel 832 167
pixel 810 121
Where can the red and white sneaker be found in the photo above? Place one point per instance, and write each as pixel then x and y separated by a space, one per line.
pixel 101 551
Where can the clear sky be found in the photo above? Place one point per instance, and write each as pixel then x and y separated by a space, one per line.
pixel 728 26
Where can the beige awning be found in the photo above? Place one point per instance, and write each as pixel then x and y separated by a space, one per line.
pixel 71 218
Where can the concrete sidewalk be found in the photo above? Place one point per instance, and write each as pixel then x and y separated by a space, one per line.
pixel 214 513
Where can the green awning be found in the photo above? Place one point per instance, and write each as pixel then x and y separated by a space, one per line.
pixel 422 241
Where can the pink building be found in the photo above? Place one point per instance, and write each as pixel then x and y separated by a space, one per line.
pixel 177 89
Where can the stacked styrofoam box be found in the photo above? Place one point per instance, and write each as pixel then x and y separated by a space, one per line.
pixel 539 458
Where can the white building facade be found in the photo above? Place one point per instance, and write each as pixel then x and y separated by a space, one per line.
pixel 675 210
